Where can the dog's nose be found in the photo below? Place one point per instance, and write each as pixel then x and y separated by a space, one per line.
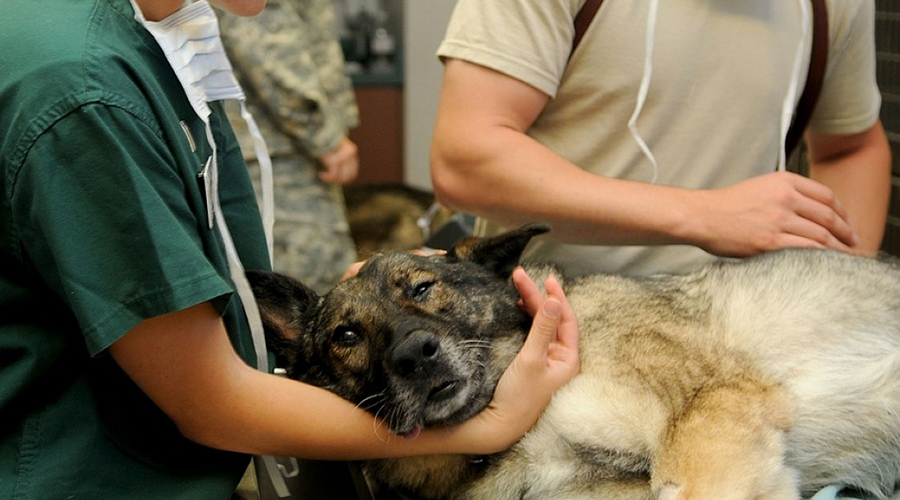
pixel 418 351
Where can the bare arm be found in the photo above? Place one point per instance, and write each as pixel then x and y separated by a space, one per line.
pixel 483 162
pixel 858 169
pixel 185 363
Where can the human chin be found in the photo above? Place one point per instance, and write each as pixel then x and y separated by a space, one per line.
pixel 240 7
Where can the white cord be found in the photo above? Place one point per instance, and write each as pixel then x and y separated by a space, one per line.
pixel 645 87
pixel 265 179
pixel 790 99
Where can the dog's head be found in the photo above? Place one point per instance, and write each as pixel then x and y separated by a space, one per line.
pixel 419 341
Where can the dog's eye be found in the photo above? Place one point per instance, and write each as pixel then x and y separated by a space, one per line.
pixel 346 336
pixel 420 292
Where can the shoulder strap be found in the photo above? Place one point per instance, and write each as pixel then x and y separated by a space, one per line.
pixel 817 62
pixel 583 20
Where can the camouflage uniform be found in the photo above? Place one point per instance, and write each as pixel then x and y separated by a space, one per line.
pixel 290 64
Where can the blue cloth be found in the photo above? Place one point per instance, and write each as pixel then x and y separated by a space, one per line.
pixel 836 493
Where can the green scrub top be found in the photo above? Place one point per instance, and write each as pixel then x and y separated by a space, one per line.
pixel 103 223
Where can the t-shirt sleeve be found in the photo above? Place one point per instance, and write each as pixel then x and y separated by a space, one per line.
pixel 850 101
pixel 106 219
pixel 527 40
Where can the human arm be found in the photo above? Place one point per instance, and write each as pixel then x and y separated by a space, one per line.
pixel 187 366
pixel 484 162
pixel 857 167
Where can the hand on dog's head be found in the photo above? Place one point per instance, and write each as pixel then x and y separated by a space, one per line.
pixel 349 340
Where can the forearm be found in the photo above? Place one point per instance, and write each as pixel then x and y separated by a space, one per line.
pixel 311 423
pixel 508 178
pixel 185 363
pixel 860 177
pixel 504 175
pixel 484 162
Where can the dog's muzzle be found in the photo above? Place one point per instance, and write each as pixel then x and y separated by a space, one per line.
pixel 418 353
pixel 418 358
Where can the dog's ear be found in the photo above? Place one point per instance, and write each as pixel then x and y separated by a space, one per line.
pixel 282 303
pixel 499 253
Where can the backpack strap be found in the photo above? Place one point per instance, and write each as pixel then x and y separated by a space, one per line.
pixel 583 20
pixel 817 63
pixel 818 60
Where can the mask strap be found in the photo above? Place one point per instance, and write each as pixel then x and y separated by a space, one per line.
pixel 242 286
pixel 266 177
pixel 790 99
pixel 645 87
pixel 248 301
pixel 217 218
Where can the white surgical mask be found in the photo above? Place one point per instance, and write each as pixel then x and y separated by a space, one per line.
pixel 191 42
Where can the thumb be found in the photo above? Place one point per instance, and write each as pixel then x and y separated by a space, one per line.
pixel 544 328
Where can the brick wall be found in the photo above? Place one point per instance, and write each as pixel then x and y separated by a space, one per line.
pixel 887 42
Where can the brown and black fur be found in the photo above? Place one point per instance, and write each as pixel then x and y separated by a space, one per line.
pixel 762 379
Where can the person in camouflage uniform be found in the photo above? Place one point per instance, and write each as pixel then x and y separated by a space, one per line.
pixel 289 61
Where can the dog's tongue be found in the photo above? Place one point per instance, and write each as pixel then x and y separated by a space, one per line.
pixel 414 433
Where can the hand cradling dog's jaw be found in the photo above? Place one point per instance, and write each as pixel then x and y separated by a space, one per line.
pixel 743 380
pixel 418 341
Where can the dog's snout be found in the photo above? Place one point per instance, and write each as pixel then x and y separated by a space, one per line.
pixel 419 351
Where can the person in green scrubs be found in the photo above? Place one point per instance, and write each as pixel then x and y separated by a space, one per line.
pixel 126 363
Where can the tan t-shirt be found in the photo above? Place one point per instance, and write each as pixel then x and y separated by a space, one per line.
pixel 721 71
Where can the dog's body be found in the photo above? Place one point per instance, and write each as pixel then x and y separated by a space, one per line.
pixel 763 379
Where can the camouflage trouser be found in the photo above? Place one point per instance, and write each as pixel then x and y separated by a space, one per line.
pixel 311 236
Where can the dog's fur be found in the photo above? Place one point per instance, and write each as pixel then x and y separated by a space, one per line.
pixel 762 379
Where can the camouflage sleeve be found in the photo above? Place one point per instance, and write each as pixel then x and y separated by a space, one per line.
pixel 290 64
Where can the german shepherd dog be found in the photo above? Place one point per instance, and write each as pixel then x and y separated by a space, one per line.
pixel 761 379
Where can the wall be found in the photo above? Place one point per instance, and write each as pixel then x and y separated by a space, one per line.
pixel 424 22
pixel 887 42
pixel 378 85
pixel 419 26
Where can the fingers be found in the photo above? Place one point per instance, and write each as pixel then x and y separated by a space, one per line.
pixel 568 329
pixel 827 218
pixel 427 252
pixel 343 173
pixel 803 232
pixel 341 164
pixel 340 172
pixel 820 193
pixel 531 296
pixel 353 270
pixel 777 210
pixel 543 328
pixel 553 339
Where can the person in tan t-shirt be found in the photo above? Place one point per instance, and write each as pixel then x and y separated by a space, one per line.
pixel 668 179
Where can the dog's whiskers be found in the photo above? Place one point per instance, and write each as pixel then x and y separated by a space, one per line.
pixel 474 343
pixel 372 401
pixel 375 402
pixel 387 419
